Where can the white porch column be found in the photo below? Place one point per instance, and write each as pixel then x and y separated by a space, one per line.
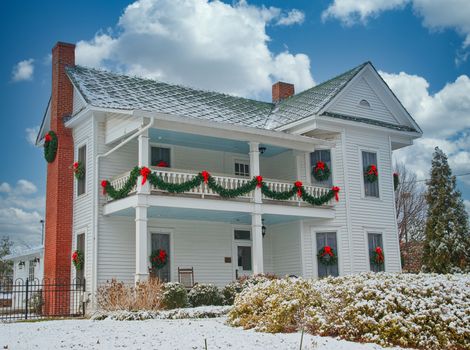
pixel 141 249
pixel 254 167
pixel 143 141
pixel 256 232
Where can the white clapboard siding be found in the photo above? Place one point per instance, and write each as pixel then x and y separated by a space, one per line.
pixel 360 89
pixel 118 126
pixel 338 224
pixel 286 248
pixel 83 205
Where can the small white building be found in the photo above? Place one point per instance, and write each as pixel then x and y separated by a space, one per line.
pixel 28 264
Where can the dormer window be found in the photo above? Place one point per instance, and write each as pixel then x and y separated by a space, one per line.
pixel 364 103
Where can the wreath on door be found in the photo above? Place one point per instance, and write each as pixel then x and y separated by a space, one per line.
pixel 159 258
pixel 327 256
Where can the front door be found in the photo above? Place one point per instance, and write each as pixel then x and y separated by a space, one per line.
pixel 242 253
pixel 162 241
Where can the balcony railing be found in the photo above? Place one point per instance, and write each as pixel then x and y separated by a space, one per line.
pixel 228 182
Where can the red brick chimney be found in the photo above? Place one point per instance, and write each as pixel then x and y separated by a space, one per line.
pixel 282 90
pixel 59 195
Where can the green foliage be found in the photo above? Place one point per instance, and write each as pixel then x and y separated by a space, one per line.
pixel 6 267
pixel 50 147
pixel 447 234
pixel 205 294
pixel 174 295
pixel 158 182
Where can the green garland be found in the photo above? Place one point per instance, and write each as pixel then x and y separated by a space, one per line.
pixel 50 146
pixel 204 177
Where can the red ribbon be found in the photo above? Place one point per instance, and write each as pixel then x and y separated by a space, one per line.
pixel 205 176
pixel 380 255
pixel 327 250
pixel 373 170
pixel 104 183
pixel 145 172
pixel 259 180
pixel 162 164
pixel 74 256
pixel 320 166
pixel 298 184
pixel 336 189
pixel 48 137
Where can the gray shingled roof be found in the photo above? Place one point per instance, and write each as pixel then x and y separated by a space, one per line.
pixel 110 90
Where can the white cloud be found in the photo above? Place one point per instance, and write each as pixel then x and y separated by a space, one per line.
pixel 292 17
pixel 31 134
pixel 207 44
pixel 23 70
pixel 444 118
pixel 436 15
pixel 21 209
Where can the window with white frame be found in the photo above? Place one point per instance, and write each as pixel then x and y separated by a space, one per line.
pixel 81 182
pixel 160 156
pixel 32 267
pixel 374 241
pixel 327 239
pixel 242 167
pixel 322 155
pixel 371 189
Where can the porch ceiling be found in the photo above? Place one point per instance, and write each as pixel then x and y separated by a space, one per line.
pixel 207 142
pixel 206 215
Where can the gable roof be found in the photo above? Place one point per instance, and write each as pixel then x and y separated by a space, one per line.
pixel 110 90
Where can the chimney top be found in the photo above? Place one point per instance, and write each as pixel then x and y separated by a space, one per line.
pixel 282 91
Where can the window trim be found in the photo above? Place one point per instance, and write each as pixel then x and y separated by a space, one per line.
pixel 162 145
pixel 379 167
pixel 313 237
pixel 77 152
pixel 381 232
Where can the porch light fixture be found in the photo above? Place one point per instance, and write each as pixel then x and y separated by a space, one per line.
pixel 262 149
pixel 263 228
pixel 37 260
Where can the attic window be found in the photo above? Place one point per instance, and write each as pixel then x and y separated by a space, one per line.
pixel 364 103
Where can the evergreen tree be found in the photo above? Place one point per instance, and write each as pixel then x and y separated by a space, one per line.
pixel 6 267
pixel 447 235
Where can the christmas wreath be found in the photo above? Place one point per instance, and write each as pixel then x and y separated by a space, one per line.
pixel 77 259
pixel 321 172
pixel 159 258
pixel 396 181
pixel 377 257
pixel 371 174
pixel 50 146
pixel 78 170
pixel 327 256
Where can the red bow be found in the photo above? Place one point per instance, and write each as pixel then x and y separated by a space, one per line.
pixel 327 250
pixel 162 164
pixel 395 174
pixel 205 176
pixel 298 184
pixel 74 256
pixel 372 170
pixel 259 180
pixel 104 183
pixel 145 172
pixel 320 166
pixel 75 165
pixel 162 255
pixel 336 189
pixel 380 256
pixel 48 137
pixel 378 250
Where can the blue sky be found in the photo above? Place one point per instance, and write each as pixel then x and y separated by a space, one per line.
pixel 304 42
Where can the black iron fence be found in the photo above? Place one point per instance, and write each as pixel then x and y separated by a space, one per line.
pixel 38 299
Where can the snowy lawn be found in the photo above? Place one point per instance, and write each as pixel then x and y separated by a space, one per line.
pixel 157 334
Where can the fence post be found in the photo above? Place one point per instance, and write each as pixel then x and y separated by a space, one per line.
pixel 26 302
pixel 83 296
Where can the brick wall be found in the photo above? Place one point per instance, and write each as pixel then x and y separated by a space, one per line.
pixel 282 90
pixel 59 195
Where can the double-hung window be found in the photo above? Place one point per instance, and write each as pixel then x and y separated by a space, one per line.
pixel 81 182
pixel 242 168
pixel 327 239
pixel 371 189
pixel 323 155
pixel 160 156
pixel 375 240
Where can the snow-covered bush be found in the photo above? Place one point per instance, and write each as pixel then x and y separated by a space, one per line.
pixel 424 310
pixel 205 294
pixel 231 290
pixel 174 295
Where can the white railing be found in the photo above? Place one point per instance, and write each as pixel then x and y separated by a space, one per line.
pixel 228 182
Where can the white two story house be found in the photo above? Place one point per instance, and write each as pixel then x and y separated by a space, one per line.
pixel 196 139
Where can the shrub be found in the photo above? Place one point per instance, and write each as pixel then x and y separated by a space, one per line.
pixel 231 290
pixel 423 310
pixel 174 295
pixel 205 294
pixel 36 302
pixel 115 295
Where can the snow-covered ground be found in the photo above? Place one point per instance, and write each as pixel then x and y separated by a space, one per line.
pixel 157 334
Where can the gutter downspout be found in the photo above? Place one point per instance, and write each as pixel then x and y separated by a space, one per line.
pixel 96 204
